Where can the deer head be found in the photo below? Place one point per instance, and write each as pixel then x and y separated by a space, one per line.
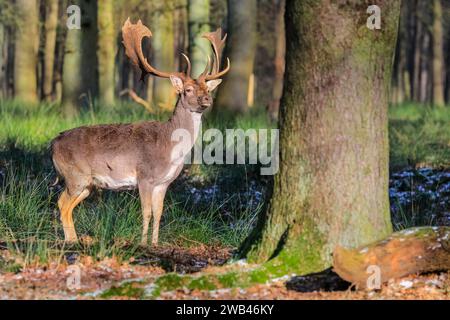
pixel 194 94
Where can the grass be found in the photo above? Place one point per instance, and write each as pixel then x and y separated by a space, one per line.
pixel 419 136
pixel 29 221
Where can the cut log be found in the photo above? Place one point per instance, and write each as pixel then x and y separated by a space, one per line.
pixel 411 251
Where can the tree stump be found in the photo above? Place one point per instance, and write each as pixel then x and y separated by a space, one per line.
pixel 410 251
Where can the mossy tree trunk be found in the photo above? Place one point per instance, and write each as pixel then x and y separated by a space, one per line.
pixel 438 55
pixel 106 51
pixel 163 44
pixel 51 22
pixel 26 50
pixel 199 48
pixel 79 74
pixel 332 185
pixel 240 48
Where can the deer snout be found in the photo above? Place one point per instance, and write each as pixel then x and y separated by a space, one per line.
pixel 205 101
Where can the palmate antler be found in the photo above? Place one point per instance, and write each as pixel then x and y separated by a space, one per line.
pixel 132 35
pixel 218 43
pixel 132 40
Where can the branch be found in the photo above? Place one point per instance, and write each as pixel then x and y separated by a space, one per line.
pixel 137 99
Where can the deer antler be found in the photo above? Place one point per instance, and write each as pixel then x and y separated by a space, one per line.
pixel 218 44
pixel 132 35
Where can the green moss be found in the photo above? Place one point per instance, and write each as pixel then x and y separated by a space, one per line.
pixel 172 281
pixel 228 280
pixel 202 283
pixel 128 289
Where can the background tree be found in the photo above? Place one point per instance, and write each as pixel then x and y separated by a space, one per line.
pixel 106 51
pixel 198 20
pixel 79 81
pixel 163 45
pixel 280 50
pixel 51 22
pixel 438 55
pixel 240 48
pixel 26 50
pixel 333 137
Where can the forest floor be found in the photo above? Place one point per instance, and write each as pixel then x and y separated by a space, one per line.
pixel 99 279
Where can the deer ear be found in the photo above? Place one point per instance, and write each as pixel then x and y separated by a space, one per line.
pixel 177 84
pixel 213 84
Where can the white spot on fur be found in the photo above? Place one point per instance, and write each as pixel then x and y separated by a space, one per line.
pixel 110 183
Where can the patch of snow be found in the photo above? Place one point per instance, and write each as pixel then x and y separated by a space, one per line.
pixel 406 284
pixel 148 289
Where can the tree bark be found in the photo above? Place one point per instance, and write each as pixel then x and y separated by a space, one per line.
pixel 79 82
pixel 280 51
pixel 332 184
pixel 51 22
pixel 425 69
pixel 2 61
pixel 410 251
pixel 199 48
pixel 417 50
pixel 106 51
pixel 438 55
pixel 26 50
pixel 241 49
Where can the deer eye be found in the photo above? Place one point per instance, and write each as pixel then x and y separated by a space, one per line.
pixel 189 90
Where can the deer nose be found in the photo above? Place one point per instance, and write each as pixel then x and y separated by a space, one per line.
pixel 206 100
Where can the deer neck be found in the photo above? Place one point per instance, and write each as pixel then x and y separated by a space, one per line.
pixel 183 118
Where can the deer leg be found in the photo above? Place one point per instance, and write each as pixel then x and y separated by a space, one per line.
pixel 157 207
pixel 145 193
pixel 66 205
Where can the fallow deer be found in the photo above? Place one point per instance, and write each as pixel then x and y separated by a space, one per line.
pixel 136 155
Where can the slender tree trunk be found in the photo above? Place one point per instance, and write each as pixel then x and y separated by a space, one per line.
pixel 438 55
pixel 26 50
pixel 72 80
pixel 332 184
pixel 240 48
pixel 106 51
pixel 280 51
pixel 2 61
pixel 199 48
pixel 163 43
pixel 425 69
pixel 417 50
pixel 79 82
pixel 51 22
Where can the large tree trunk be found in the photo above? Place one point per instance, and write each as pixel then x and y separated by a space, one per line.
pixel 106 51
pixel 199 48
pixel 241 46
pixel 51 22
pixel 332 184
pixel 438 55
pixel 79 83
pixel 163 43
pixel 26 50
